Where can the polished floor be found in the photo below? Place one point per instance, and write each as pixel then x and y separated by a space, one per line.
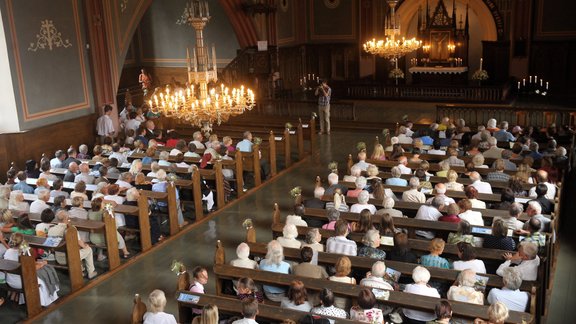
pixel 111 300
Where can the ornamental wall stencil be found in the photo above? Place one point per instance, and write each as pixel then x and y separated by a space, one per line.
pixel 332 4
pixel 48 38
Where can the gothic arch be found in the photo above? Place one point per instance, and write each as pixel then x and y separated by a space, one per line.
pixel 486 10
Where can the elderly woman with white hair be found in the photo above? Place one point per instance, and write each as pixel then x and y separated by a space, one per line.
pixel 163 159
pixel 370 243
pixel 360 185
pixel 510 293
pixel 274 262
pixel 135 167
pixel 243 260
pixel 333 216
pixel 464 291
pixel 372 172
pixel 395 180
pixel 355 172
pixel 388 204
pixel 17 202
pixel 452 183
pixel 362 204
pixel 421 276
pixel 156 314
pixel 288 238
pixel 154 167
pixel 478 161
pixel 312 240
pixel 525 261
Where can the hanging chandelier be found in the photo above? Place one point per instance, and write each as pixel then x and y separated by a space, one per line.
pixel 393 47
pixel 196 104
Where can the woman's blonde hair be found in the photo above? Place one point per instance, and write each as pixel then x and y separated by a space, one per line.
pixel 209 314
pixel 343 266
pixel 157 301
pixel 378 152
pixel 452 176
pixel 497 313
pixel 437 245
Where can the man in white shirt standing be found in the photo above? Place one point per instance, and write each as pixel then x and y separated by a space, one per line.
pixel 104 125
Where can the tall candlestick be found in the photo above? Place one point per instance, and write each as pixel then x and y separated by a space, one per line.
pixel 518 85
pixel 536 79
pixel 194 61
pixel 530 79
pixel 541 82
pixel 214 56
pixel 481 61
pixel 523 82
pixel 547 85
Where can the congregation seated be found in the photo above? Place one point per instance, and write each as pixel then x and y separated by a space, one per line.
pixel 306 268
pixel 297 297
pixel 288 238
pixel 85 250
pixel 312 240
pixel 468 259
pixel 243 252
pixel 246 288
pixel 421 276
pixel 274 262
pixel 327 308
pixel 497 314
pixel 525 261
pixel 366 310
pixel 375 278
pixel 388 208
pixel 362 203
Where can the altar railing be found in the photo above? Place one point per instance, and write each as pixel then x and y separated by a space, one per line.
pixel 448 93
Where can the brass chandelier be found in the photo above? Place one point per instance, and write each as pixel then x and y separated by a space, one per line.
pixel 195 104
pixel 393 47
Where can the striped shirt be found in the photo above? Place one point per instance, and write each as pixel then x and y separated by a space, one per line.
pixel 341 245
pixel 324 100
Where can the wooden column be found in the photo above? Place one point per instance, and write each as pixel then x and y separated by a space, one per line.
pixel 172 209
pixel 272 152
pixel 287 152
pixel 239 174
pixel 197 193
pixel 219 258
pixel 220 199
pixel 300 137
pixel 313 134
pixel 256 161
pixel 73 258
pixel 30 285
pixel 111 240
pixel 144 221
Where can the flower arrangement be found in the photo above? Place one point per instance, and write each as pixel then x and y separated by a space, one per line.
pixel 314 115
pixel 288 125
pixel 360 146
pixel 480 75
pixel 109 207
pixel 405 118
pixel 396 74
pixel 247 224
pixel 24 248
pixel 333 167
pixel 175 267
pixel 295 192
pixel 257 140
pixel 386 132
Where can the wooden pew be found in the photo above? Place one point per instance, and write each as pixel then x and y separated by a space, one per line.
pixel 107 227
pixel 364 263
pixel 418 245
pixel 410 208
pixel 231 305
pixel 69 245
pixel 452 194
pixel 26 268
pixel 397 299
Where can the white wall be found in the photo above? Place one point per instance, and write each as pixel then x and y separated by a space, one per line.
pixel 8 110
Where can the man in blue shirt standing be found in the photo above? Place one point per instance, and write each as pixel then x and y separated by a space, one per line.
pixel 324 92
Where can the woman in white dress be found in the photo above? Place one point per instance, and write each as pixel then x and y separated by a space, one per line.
pixel 156 315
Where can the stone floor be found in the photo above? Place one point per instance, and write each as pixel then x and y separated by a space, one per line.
pixel 111 300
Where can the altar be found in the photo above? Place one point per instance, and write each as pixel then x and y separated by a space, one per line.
pixel 439 74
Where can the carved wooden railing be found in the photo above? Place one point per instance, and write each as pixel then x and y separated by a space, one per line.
pixel 450 93
pixel 303 109
pixel 535 116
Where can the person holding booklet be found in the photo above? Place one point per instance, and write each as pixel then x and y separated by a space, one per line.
pixel 464 290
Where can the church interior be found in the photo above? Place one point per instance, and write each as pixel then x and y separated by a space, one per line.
pixel 162 134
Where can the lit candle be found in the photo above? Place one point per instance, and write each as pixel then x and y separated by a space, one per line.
pixel 541 81
pixel 481 61
pixel 547 85
pixel 518 85
pixel 536 79
pixel 523 82
pixel 530 79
